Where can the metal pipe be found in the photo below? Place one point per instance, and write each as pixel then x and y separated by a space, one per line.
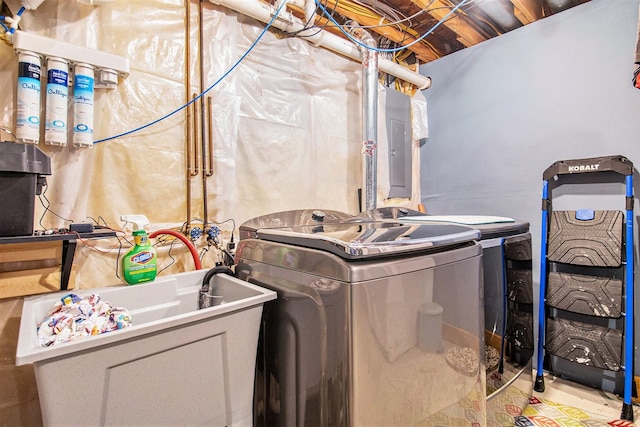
pixel 288 22
pixel 196 134
pixel 188 117
pixel 208 171
pixel 203 112
pixel 369 117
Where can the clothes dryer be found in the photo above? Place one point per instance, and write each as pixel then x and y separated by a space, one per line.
pixel 508 301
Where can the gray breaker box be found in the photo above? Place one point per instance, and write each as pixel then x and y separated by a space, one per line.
pixel 589 295
pixel 596 242
pixel 586 344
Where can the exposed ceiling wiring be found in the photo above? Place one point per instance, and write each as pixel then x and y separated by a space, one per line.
pixel 309 25
pixel 366 9
pixel 392 50
pixel 383 9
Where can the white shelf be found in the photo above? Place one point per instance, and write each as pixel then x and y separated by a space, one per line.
pixel 108 66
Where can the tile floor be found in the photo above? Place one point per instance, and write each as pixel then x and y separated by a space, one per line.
pixel 602 405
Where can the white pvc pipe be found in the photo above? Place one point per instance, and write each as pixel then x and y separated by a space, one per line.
pixel 288 22
pixel 310 11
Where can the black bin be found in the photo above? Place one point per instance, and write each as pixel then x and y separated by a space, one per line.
pixel 22 175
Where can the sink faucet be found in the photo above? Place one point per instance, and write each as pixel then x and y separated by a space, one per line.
pixel 206 298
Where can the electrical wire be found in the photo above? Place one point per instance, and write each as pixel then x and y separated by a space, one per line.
pixel 97 221
pixel 356 7
pixel 418 40
pixel 183 239
pixel 92 246
pixel 119 235
pixel 233 67
pixel 309 25
pixel 233 222
pixel 391 23
pixel 173 260
pixel 397 23
pixel 118 256
pixel 384 9
pixel 47 207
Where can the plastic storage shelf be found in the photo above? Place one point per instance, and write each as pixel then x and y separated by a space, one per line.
pixel 22 175
pixel 586 281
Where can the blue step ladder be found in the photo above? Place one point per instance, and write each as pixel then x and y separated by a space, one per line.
pixel 564 260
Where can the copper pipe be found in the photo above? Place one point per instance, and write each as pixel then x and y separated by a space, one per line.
pixel 196 135
pixel 188 118
pixel 209 170
pixel 203 135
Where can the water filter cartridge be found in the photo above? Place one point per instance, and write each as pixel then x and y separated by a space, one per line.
pixel 55 131
pixel 28 98
pixel 83 106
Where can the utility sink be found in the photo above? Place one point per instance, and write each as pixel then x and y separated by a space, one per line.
pixel 177 364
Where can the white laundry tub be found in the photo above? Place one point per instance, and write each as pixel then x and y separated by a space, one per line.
pixel 177 365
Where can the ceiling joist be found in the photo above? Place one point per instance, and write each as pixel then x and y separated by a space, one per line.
pixel 527 11
pixel 391 32
pixel 467 26
pixel 458 23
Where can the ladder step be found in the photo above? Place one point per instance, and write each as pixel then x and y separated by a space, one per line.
pixel 590 295
pixel 588 345
pixel 593 242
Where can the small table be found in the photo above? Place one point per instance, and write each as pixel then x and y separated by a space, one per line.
pixel 68 246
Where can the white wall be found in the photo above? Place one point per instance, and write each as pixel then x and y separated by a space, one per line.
pixel 502 111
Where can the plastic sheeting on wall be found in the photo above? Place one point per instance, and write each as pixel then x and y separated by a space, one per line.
pixel 286 121
pixel 287 133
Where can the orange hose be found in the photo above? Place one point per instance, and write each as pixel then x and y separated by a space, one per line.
pixel 188 244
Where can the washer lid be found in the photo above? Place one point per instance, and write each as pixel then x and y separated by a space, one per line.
pixel 292 218
pixel 389 212
pixel 490 227
pixel 372 239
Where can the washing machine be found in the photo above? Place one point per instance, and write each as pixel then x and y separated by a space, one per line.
pixel 508 303
pixel 376 323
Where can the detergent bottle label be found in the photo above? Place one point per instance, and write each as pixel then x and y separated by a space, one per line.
pixel 142 257
pixel 141 239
